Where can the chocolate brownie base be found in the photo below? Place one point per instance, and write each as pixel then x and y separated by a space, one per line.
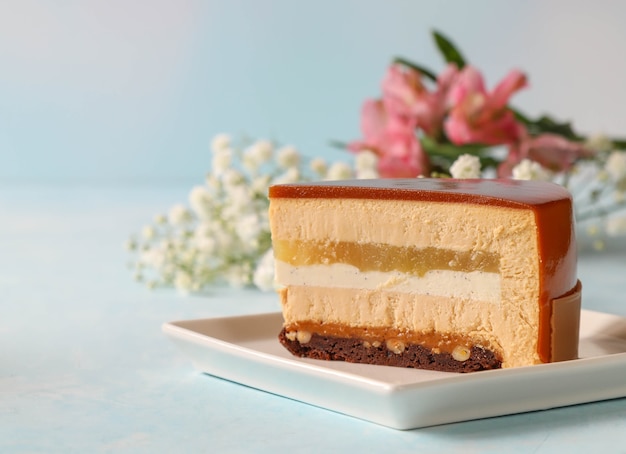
pixel 413 355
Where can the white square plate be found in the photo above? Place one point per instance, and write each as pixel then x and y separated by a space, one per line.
pixel 245 349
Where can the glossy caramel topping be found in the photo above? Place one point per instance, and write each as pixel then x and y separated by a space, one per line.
pixel 383 257
pixel 504 192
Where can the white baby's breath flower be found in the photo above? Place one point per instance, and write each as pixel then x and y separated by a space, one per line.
pixel 188 255
pixel 220 142
pixel 257 154
pixel 224 242
pixel 203 238
pixel 530 170
pixel 179 215
pixel 238 198
pixel 248 229
pixel 288 157
pixel 221 161
pixel 148 232
pixel 183 282
pixel 466 166
pixel 160 219
pixel 213 182
pixel 171 243
pixel 131 244
pixel 260 184
pixel 598 142
pixel 291 175
pixel 616 226
pixel 233 177
pixel 339 171
pixel 264 274
pixel 169 271
pixel 367 174
pixel 319 166
pixel 616 165
pixel 154 258
pixel 199 200
pixel 250 164
pixel 366 160
pixel 239 274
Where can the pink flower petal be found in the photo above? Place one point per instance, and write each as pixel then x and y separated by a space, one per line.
pixel 468 81
pixel 373 122
pixel 514 81
pixel 556 152
pixel 478 117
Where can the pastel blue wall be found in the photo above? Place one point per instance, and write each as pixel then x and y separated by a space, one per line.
pixel 132 91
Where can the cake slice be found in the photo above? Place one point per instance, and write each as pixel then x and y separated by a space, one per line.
pixel 440 274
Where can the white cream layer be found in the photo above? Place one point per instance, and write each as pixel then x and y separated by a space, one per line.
pixel 475 285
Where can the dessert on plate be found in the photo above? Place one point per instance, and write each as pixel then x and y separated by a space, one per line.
pixel 440 274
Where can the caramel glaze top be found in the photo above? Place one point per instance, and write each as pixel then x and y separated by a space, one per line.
pixel 500 192
pixel 551 204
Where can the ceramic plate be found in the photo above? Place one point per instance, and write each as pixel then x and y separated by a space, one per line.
pixel 245 349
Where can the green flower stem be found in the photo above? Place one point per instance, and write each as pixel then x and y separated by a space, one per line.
pixel 450 152
pixel 338 144
pixel 419 68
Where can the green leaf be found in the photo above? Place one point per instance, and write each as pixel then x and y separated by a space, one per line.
pixel 443 155
pixel 546 124
pixel 449 51
pixel 521 117
pixel 424 71
pixel 488 162
pixel 619 144
pixel 445 148
pixel 338 144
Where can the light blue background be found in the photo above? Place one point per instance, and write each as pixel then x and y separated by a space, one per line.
pixel 132 91
pixel 106 112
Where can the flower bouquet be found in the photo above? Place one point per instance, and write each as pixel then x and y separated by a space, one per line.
pixel 450 124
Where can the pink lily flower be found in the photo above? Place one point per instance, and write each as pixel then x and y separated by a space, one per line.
pixel 477 116
pixel 405 95
pixel 552 151
pixel 374 120
pixel 556 152
pixel 394 141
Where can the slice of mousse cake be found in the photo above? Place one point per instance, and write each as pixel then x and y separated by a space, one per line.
pixel 440 274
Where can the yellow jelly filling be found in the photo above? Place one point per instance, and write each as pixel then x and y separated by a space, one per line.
pixel 384 257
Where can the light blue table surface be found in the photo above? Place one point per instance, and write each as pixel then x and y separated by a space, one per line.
pixel 84 366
